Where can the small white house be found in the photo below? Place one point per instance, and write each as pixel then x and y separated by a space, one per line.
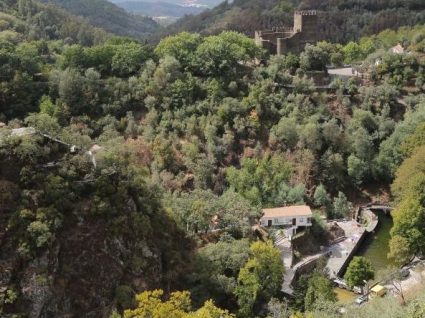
pixel 290 217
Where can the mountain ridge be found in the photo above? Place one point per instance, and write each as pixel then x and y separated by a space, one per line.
pixel 161 8
pixel 341 21
pixel 109 16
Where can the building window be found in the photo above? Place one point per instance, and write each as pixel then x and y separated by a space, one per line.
pixel 301 220
pixel 276 221
pixel 308 220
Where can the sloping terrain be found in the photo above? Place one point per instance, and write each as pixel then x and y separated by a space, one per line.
pixel 341 21
pixel 156 9
pixel 109 17
pixel 188 3
pixel 66 249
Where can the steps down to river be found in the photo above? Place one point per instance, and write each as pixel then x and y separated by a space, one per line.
pixel 339 253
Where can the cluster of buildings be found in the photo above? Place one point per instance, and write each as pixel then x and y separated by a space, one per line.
pixel 283 40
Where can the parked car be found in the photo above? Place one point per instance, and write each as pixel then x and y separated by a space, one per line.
pixel 357 290
pixel 360 300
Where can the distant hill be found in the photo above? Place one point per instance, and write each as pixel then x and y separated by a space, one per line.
pixel 157 9
pixel 341 20
pixel 166 12
pixel 110 17
pixel 40 21
pixel 187 3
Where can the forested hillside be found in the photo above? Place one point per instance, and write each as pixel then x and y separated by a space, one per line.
pixel 188 3
pixel 156 9
pixel 131 175
pixel 63 251
pixel 31 21
pixel 108 16
pixel 340 21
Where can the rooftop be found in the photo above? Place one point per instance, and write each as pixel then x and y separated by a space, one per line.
pixel 293 210
pixel 377 288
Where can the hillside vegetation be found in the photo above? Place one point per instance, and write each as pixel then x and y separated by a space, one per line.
pixel 157 9
pixel 340 21
pixel 131 176
pixel 26 20
pixel 108 16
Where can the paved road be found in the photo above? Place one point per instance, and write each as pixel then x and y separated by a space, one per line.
pixel 345 71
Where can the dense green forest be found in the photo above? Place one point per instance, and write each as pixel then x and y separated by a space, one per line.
pixel 129 173
pixel 108 16
pixel 340 21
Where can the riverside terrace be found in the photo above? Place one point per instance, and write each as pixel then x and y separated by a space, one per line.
pixel 339 253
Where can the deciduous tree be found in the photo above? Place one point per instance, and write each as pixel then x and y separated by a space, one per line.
pixel 359 270
pixel 260 278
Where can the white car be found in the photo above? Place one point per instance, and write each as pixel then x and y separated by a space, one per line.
pixel 360 300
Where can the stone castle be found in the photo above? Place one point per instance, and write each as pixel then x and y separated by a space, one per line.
pixel 284 40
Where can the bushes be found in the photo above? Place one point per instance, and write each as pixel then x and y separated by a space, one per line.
pixel 260 278
pixel 40 232
pixel 125 297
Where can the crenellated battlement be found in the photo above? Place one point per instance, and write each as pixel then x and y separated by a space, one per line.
pixel 281 40
pixel 306 12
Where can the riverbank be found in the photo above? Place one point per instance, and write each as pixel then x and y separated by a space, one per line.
pixel 345 296
pixel 375 246
pixel 369 240
pixel 338 255
pixel 343 251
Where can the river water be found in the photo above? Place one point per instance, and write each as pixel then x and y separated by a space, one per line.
pixel 375 246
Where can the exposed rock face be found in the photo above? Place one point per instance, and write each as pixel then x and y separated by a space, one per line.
pixel 77 276
pixel 65 250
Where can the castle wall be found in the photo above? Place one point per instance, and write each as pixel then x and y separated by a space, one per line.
pixel 282 42
pixel 291 44
pixel 298 22
pixel 309 28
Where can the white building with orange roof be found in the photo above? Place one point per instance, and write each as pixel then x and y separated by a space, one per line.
pixel 290 217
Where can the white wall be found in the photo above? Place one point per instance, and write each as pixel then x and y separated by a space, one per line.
pixel 301 221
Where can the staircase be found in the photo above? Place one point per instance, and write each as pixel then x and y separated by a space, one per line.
pixel 285 247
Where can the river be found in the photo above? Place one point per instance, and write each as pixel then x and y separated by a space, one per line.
pixel 375 246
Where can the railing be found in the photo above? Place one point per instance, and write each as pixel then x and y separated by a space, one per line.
pixel 283 223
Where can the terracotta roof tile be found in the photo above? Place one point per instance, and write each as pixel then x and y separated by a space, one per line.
pixel 293 210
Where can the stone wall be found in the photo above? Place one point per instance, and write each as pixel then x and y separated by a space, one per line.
pixel 290 39
pixel 351 254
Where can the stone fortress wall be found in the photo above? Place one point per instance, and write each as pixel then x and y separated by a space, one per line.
pixel 290 39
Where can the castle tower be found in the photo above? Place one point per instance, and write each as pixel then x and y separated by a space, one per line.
pixel 281 41
pixel 306 22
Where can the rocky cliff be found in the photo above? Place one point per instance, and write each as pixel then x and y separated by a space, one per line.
pixel 76 241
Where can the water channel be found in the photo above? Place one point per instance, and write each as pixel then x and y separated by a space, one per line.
pixel 375 248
